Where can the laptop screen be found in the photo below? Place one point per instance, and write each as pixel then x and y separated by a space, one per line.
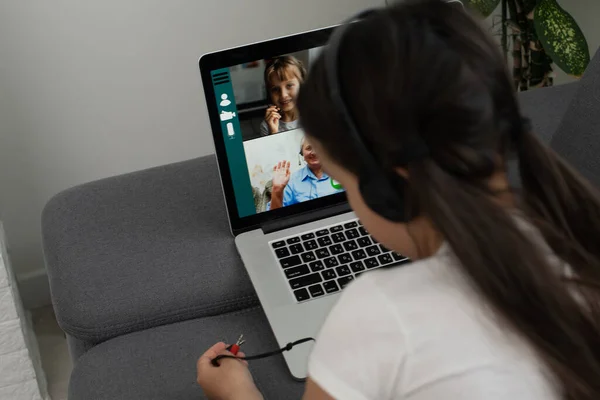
pixel 271 164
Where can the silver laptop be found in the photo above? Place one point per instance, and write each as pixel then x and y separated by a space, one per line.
pixel 302 245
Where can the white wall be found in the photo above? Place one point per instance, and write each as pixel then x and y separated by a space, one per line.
pixel 90 89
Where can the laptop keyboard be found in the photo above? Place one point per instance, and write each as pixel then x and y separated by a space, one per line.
pixel 324 261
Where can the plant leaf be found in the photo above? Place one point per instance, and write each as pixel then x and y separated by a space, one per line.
pixel 484 7
pixel 561 37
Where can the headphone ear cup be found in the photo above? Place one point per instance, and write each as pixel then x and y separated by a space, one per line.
pixel 384 199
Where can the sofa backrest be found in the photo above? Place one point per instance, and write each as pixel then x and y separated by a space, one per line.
pixel 577 138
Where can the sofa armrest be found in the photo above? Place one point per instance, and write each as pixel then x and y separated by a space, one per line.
pixel 143 249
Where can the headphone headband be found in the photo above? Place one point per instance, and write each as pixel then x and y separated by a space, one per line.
pixel 414 147
pixel 383 191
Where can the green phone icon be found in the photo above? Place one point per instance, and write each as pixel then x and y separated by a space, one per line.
pixel 335 184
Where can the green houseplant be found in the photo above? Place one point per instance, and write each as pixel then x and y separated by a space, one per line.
pixel 539 33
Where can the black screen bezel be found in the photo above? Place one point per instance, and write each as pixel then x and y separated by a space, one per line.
pixel 240 55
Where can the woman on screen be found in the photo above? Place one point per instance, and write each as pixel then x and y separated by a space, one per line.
pixel 283 77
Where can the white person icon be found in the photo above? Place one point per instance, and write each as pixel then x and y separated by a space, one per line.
pixel 224 100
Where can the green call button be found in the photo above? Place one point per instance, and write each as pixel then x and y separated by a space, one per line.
pixel 335 184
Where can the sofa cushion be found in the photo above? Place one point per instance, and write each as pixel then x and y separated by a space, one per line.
pixel 578 136
pixel 143 249
pixel 160 363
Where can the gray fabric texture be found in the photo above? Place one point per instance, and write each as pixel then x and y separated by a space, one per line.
pixel 160 363
pixel 141 250
pixel 578 136
pixel 77 347
pixel 545 108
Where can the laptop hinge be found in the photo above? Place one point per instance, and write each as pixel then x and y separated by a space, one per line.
pixel 304 218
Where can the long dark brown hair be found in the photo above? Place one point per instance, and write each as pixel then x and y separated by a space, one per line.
pixel 428 68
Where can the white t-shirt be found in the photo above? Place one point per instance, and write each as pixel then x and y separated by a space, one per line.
pixel 420 332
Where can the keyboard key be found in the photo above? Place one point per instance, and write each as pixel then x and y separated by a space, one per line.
pixel 359 254
pixel 373 250
pixel 280 253
pixel 328 274
pixel 398 257
pixel 301 294
pixel 308 257
pixel 293 240
pixel 362 231
pixel 343 281
pixel 331 262
pixel 310 245
pixel 351 245
pixel 371 263
pixel 336 249
pixel 383 248
pixel 305 280
pixel 277 245
pixel 316 266
pixel 324 241
pixel 316 290
pixel 343 270
pixel 337 228
pixel 385 259
pixel 296 248
pixel 352 224
pixel 338 237
pixel 322 232
pixel 357 266
pixel 345 258
pixel 322 253
pixel 290 261
pixel 352 234
pixel 331 287
pixel 307 236
pixel 364 241
pixel 296 271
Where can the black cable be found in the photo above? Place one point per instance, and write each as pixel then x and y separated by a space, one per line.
pixel 287 347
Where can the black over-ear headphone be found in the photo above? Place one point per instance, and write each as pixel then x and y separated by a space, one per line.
pixel 383 191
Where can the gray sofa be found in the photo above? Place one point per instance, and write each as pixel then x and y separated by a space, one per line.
pixel 145 276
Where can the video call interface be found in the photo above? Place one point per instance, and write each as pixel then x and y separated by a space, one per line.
pixel 282 166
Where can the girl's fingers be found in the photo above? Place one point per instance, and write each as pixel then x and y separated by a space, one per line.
pixel 242 354
pixel 211 353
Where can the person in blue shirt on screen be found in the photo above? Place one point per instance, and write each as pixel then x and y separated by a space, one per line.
pixel 309 182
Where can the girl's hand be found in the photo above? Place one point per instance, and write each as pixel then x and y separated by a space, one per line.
pixel 231 380
pixel 272 118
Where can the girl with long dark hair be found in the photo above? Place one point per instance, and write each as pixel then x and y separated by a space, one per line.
pixel 501 301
